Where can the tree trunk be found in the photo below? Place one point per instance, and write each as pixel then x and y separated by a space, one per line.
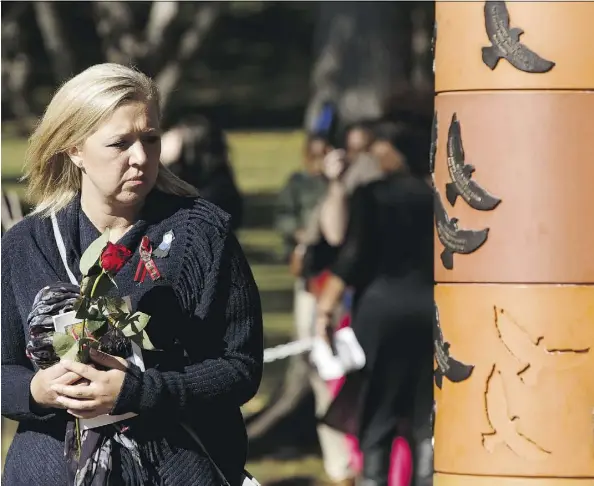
pixel 363 52
pixel 52 32
pixel 191 41
pixel 422 78
pixel 161 17
pixel 114 26
pixel 15 75
pixel 16 67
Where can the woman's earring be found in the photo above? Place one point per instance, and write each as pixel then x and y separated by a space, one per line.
pixel 80 166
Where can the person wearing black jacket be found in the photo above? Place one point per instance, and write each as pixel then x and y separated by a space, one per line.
pixel 387 257
pixel 196 151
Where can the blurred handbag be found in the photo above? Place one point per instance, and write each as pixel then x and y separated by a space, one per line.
pixel 347 355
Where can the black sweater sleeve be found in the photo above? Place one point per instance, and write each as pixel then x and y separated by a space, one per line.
pixel 229 298
pixel 17 370
pixel 354 258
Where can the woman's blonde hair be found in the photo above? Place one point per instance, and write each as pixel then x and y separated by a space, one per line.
pixel 75 112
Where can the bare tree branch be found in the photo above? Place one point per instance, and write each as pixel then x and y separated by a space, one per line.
pixel 11 210
pixel 422 26
pixel 52 32
pixel 362 57
pixel 295 388
pixel 160 19
pixel 16 66
pixel 114 26
pixel 161 36
pixel 15 76
pixel 204 19
pixel 151 49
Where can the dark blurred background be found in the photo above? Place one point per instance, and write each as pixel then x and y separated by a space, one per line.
pixel 251 64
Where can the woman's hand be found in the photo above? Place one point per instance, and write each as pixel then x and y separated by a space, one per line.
pixel 296 260
pixel 334 164
pixel 43 381
pixel 100 395
pixel 324 326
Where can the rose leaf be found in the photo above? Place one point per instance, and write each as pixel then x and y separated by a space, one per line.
pixel 91 255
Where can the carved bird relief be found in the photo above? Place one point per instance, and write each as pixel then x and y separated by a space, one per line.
pixel 453 238
pixel 461 174
pixel 505 42
pixel 532 354
pixel 504 425
pixel 447 366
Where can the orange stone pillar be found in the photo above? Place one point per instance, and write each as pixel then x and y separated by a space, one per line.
pixel 513 172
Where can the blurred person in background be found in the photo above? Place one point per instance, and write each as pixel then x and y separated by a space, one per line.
pixel 300 195
pixel 296 203
pixel 196 151
pixel 346 169
pixel 387 257
pixel 358 139
pixel 319 245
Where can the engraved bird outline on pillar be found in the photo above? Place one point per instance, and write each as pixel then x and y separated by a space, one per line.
pixel 504 425
pixel 532 354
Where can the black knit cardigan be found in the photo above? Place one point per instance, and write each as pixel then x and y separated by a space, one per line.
pixel 206 319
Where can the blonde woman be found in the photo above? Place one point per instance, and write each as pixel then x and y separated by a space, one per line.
pixel 93 162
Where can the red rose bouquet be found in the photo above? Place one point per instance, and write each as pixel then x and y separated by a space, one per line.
pixel 104 322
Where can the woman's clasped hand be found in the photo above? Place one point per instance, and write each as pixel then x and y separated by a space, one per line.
pixel 82 389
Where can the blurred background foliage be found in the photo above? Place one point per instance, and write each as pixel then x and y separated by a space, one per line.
pixel 250 64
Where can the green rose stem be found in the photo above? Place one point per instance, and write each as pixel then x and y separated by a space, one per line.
pixel 84 325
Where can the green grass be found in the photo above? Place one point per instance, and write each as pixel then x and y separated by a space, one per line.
pixel 13 152
pixel 262 163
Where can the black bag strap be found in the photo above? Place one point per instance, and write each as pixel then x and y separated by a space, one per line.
pixel 194 436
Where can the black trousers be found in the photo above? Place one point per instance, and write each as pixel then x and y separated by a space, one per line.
pixel 376 462
pixel 393 323
pixel 399 402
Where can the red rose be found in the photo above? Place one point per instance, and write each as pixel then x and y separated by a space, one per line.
pixel 113 257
